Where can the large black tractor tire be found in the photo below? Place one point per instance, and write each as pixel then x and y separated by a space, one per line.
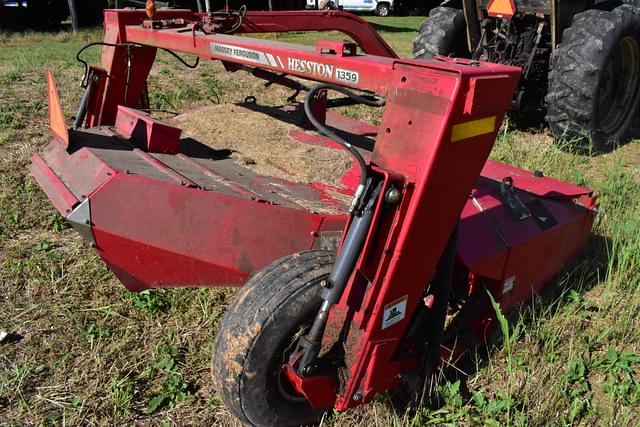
pixel 594 85
pixel 442 33
pixel 258 334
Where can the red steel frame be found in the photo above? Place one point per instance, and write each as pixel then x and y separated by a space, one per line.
pixel 436 133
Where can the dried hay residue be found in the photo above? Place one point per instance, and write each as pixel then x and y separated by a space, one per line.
pixel 262 144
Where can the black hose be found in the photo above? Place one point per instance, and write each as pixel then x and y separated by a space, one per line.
pixel 185 63
pixel 129 45
pixel 225 13
pixel 329 133
pixel 84 63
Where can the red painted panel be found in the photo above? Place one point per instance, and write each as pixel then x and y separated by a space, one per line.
pixel 146 132
pixel 525 180
pixel 139 223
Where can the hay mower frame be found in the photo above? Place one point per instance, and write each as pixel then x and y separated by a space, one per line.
pixel 433 223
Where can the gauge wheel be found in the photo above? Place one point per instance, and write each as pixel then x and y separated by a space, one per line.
pixel 383 9
pixel 594 84
pixel 257 335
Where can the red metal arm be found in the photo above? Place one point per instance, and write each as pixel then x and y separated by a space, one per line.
pixel 129 67
pixel 361 31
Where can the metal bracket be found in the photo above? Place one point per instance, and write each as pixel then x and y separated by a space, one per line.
pixel 511 200
pixel 80 220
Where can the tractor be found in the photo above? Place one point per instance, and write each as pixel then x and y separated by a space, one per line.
pixel 580 60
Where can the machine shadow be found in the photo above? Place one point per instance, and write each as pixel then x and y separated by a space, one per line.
pixel 535 122
pixel 581 275
pixel 294 114
pixel 392 29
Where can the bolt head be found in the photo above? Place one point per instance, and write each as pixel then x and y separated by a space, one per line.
pixel 393 196
pixel 357 397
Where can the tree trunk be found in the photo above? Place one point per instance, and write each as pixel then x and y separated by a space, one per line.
pixel 74 15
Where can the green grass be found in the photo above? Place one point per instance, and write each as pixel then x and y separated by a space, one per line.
pixel 92 353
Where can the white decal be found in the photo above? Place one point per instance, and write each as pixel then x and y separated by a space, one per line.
pixel 508 284
pixel 293 64
pixel 347 76
pixel 394 312
pixel 310 67
pixel 271 60
pixel 241 53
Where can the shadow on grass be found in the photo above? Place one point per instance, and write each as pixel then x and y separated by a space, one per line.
pixel 590 268
pixel 392 29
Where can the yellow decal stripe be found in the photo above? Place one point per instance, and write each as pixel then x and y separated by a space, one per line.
pixel 473 128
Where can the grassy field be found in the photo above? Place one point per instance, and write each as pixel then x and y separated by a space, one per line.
pixel 86 352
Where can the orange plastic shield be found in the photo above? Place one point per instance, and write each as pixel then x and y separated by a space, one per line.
pixel 56 117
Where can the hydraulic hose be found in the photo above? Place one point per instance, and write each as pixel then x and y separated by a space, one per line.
pixel 329 133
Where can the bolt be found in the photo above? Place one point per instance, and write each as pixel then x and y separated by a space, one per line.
pixel 428 301
pixel 127 171
pixel 309 369
pixel 88 222
pixel 538 174
pixel 325 284
pixel 393 196
pixel 357 397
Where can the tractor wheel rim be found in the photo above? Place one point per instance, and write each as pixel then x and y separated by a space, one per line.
pixel 619 88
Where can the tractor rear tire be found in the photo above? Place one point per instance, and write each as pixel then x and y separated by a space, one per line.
pixel 256 335
pixel 594 85
pixel 443 33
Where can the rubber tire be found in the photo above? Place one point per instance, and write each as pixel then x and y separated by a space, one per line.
pixel 575 78
pixel 383 9
pixel 257 329
pixel 443 33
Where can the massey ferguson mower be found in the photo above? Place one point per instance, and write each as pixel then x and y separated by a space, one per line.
pixel 343 298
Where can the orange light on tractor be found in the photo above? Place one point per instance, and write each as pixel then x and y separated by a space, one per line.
pixel 501 8
pixel 150 7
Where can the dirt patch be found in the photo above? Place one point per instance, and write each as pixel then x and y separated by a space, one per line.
pixel 262 144
pixel 238 345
